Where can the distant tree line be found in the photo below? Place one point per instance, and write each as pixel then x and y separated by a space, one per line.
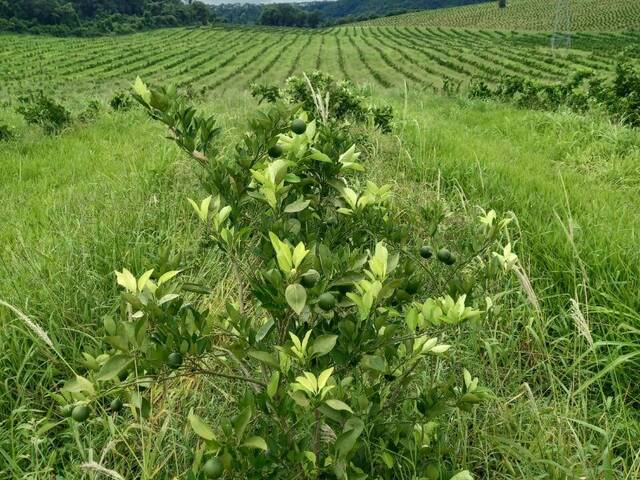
pixel 287 15
pixel 327 13
pixel 347 11
pixel 98 17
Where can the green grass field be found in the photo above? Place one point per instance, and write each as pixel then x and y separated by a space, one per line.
pixel 535 15
pixel 112 192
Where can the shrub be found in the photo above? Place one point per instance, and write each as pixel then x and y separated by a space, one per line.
pixel 38 109
pixel 619 96
pixel 6 133
pixel 342 98
pixel 331 340
pixel 91 111
pixel 121 101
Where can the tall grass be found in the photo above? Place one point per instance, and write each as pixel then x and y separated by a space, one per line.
pixel 567 375
pixel 112 193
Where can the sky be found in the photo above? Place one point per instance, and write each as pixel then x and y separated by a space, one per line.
pixel 218 2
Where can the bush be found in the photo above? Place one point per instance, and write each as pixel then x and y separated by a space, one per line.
pixel 331 341
pixel 91 112
pixel 344 101
pixel 619 96
pixel 38 109
pixel 6 133
pixel 121 101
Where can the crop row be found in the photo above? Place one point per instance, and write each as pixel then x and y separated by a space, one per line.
pixel 537 15
pixel 234 57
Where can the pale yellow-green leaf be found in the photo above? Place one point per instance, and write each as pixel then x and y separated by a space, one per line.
pixel 142 281
pixel 256 442
pixel 338 405
pixel 79 385
pixel 201 428
pixel 142 90
pixel 127 280
pixel 324 378
pixel 165 277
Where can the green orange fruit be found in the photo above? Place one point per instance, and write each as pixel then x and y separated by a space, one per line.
pixel 446 257
pixel 326 301
pixel 175 360
pixel 276 151
pixel 298 126
pixel 213 468
pixel 310 278
pixel 116 405
pixel 80 413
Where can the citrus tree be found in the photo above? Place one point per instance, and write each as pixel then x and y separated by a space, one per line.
pixel 333 344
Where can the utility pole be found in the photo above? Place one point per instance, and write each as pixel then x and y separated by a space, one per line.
pixel 561 37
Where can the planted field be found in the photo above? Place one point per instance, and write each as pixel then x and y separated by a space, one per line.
pixel 455 297
pixel 535 15
pixel 231 59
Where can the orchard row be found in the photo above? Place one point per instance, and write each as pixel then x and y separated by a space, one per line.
pixel 233 58
pixel 536 15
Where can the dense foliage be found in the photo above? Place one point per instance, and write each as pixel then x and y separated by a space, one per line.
pixel 345 11
pixel 334 340
pixel 326 13
pixel 96 17
pixel 286 15
pixel 345 101
pixel 39 109
pixel 619 96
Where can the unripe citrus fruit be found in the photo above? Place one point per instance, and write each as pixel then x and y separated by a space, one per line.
pixel 213 468
pixel 326 301
pixel 175 360
pixel 310 278
pixel 116 405
pixel 298 126
pixel 446 257
pixel 426 251
pixel 80 413
pixel 275 151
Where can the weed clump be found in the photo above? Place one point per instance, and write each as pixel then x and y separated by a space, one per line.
pixel 38 109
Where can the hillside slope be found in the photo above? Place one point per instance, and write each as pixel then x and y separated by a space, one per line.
pixel 344 10
pixel 587 15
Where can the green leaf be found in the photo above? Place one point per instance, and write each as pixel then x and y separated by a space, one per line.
pixel 165 277
pixel 127 280
pixel 272 387
pixel 387 458
pixel 240 423
pixel 113 367
pixel 79 385
pixel 264 357
pixel 110 325
pixel 339 405
pixel 374 362
pixel 264 330
pixel 142 90
pixel 201 428
pixel 464 475
pixel 256 442
pixel 347 440
pixel 142 282
pixel 323 345
pixel 319 156
pixel 296 297
pixel 297 206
